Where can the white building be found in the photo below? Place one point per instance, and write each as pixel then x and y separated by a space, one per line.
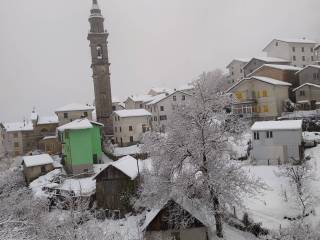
pixel 138 101
pixel 158 90
pixel 300 52
pixel 277 142
pixel 117 104
pixel 74 111
pixel 129 125
pixel 235 68
pixel 163 107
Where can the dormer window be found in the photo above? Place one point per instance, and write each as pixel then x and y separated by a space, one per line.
pixel 99 52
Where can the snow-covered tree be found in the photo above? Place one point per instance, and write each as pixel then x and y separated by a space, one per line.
pixel 192 158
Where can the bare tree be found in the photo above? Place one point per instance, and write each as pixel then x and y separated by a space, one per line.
pixel 299 174
pixel 192 158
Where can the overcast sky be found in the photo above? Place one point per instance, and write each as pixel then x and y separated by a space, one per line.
pixel 45 57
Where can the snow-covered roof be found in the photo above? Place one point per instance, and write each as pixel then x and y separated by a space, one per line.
pixel 263 79
pixel 185 87
pixel 132 113
pixel 309 66
pixel 37 160
pixel 75 107
pixel 306 84
pixel 18 126
pixel 271 59
pixel 141 98
pixel 48 119
pixel 290 41
pixel 49 137
pixel 158 98
pixel 277 125
pixel 127 165
pixel 76 124
pixel 131 150
pixel 281 67
pixel 243 60
pixel 80 186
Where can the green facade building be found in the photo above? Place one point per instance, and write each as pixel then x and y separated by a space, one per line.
pixel 81 141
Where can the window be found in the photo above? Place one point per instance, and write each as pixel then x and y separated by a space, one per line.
pixel 269 134
pixel 85 114
pixel 302 93
pixel 43 169
pixel 163 117
pixel 65 115
pixel 265 108
pixel 256 135
pixel 155 118
pixel 131 139
pixel 174 98
pixel 293 49
pixel 95 158
pixel 314 76
pixel 312 59
pixel 303 58
pixel 130 128
pixel 16 144
pixel 114 108
pixel 238 95
pixel 302 49
pixel 99 52
pixel 175 235
pixel 161 108
pixel 120 129
pixel 183 97
pixel 294 58
pixel 141 106
pixel 277 44
pixel 264 93
pixel 15 135
pixel 311 49
pixel 115 118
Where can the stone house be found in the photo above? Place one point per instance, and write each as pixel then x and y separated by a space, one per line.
pixel 235 68
pixel 36 166
pixel 164 222
pixel 259 98
pixel 74 111
pixel 308 96
pixel 117 105
pixel 117 183
pixel 309 74
pixel 129 125
pixel 300 52
pixel 163 108
pixel 257 62
pixel 81 143
pixel 286 73
pixel 277 142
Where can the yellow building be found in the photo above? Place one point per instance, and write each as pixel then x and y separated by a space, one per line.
pixel 259 97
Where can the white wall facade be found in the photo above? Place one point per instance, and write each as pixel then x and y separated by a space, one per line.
pixel 123 135
pixel 73 115
pixel 299 54
pixel 236 72
pixel 163 111
pixel 283 147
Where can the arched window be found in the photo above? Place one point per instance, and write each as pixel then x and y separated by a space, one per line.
pixel 99 52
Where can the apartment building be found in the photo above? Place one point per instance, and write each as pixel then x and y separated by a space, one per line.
pixel 309 74
pixel 74 111
pixel 300 52
pixel 258 97
pixel 129 125
pixel 138 101
pixel 308 96
pixel 163 108
pixel 235 68
pixel 257 62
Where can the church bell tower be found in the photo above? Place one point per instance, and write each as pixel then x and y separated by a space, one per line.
pixel 100 67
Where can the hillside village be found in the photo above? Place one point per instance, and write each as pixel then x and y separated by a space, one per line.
pixel 228 156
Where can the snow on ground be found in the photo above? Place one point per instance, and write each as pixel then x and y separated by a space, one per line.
pixel 311 136
pixel 270 207
pixel 44 181
pixel 123 151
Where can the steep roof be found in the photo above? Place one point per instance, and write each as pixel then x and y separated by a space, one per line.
pixel 48 119
pixel 161 97
pixel 268 60
pixel 83 123
pixel 306 84
pixel 277 125
pixel 141 98
pixel 75 107
pixel 283 67
pixel 262 79
pixel 37 160
pixel 132 113
pixel 18 126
